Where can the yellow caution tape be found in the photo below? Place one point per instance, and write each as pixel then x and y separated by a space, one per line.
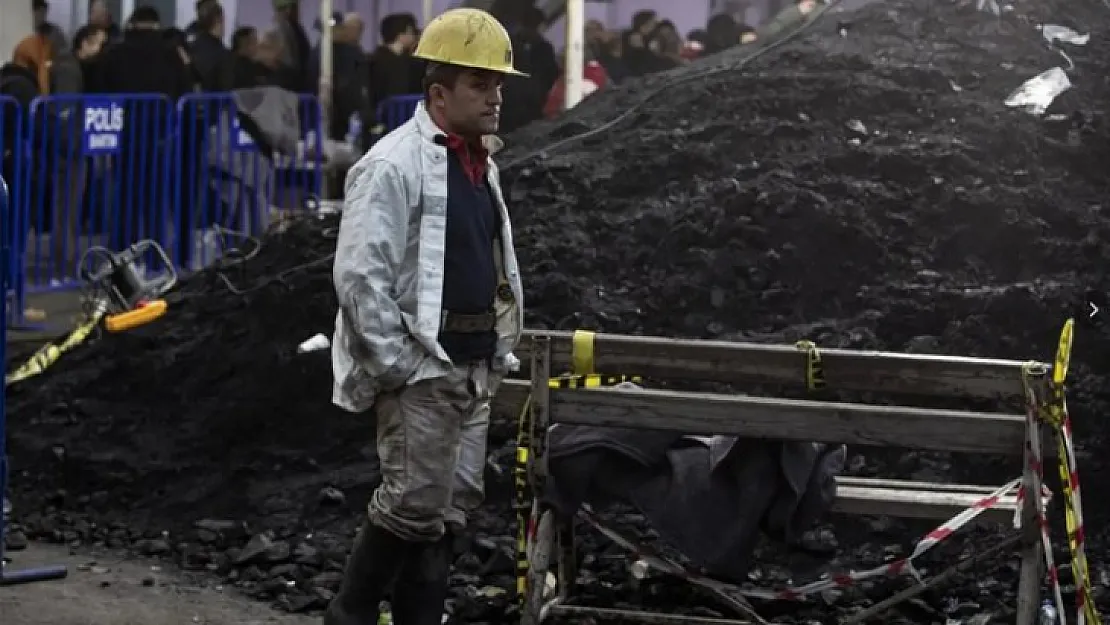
pixel 582 352
pixel 49 354
pixel 1057 413
pixel 815 367
pixel 583 376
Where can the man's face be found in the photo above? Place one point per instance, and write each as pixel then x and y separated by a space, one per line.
pixel 98 13
pixel 595 32
pixel 91 46
pixel 352 29
pixel 408 39
pixel 473 107
pixel 250 46
pixel 268 51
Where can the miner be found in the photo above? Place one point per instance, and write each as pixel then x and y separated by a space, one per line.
pixel 430 309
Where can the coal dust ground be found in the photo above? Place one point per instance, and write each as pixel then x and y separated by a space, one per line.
pixel 861 186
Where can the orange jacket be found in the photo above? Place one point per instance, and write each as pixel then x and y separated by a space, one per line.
pixel 34 53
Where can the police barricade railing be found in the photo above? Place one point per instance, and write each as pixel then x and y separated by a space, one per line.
pixel 98 174
pixel 225 185
pixel 13 147
pixel 396 110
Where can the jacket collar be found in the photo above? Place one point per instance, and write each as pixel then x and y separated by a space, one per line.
pixel 428 130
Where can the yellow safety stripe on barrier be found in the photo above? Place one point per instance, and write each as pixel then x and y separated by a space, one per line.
pixel 582 352
pixel 49 354
pixel 524 497
pixel 594 380
pixel 815 367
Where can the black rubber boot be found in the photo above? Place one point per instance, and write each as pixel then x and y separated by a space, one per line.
pixel 375 561
pixel 422 588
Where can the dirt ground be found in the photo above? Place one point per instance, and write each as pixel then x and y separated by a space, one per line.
pixel 104 588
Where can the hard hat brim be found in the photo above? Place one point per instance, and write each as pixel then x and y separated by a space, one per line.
pixel 509 71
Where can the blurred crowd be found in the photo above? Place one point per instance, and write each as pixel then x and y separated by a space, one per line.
pixel 149 55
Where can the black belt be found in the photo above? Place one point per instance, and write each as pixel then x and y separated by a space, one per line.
pixel 467 324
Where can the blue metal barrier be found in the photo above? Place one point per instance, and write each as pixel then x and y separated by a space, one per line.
pixel 98 174
pixel 9 576
pixel 113 169
pixel 396 110
pixel 225 183
pixel 13 149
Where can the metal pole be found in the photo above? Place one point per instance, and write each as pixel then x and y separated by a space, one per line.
pixel 9 577
pixel 428 10
pixel 325 94
pixel 326 64
pixel 575 53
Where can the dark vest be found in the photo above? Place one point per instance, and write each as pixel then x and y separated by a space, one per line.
pixel 469 268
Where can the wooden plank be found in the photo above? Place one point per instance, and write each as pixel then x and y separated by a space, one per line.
pixel 789 419
pixel 878 482
pixel 734 362
pixel 876 499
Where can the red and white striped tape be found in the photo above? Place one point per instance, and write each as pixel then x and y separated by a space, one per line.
pixel 1086 614
pixel 831 581
pixel 1036 466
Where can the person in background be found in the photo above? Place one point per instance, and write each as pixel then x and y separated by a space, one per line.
pixel 88 43
pixel 525 96
pixel 694 46
pixel 248 71
pixel 33 54
pixel 214 63
pixel 144 62
pixel 295 47
pixel 99 15
pixel 612 59
pixel 638 58
pixel 595 38
pixel 666 44
pixel 39 11
pixel 593 78
pixel 722 33
pixel 431 307
pixel 748 34
pixel 194 26
pixel 392 69
pixel 349 73
pixel 178 40
pixel 269 57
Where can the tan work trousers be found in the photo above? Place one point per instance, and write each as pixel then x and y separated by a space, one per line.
pixel 432 449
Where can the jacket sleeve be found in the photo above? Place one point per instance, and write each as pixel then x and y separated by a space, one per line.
pixel 373 234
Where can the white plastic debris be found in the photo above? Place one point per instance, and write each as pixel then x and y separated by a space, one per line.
pixel 989 6
pixel 1055 32
pixel 314 344
pixel 1037 93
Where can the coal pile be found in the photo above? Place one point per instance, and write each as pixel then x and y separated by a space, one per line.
pixel 862 186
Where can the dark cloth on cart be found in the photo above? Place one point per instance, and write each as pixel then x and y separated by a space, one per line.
pixel 710 497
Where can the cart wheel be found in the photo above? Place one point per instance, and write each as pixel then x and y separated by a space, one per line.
pixel 539 552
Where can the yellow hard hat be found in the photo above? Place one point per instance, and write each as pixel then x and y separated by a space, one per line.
pixel 468 38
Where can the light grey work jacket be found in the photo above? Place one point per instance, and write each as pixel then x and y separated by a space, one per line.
pixel 388 270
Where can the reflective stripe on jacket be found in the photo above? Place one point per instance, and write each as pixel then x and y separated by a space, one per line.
pixel 388 269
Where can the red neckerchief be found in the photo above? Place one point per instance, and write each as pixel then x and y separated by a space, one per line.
pixel 472 157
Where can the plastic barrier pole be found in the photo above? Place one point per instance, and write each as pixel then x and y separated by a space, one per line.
pixel 9 577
